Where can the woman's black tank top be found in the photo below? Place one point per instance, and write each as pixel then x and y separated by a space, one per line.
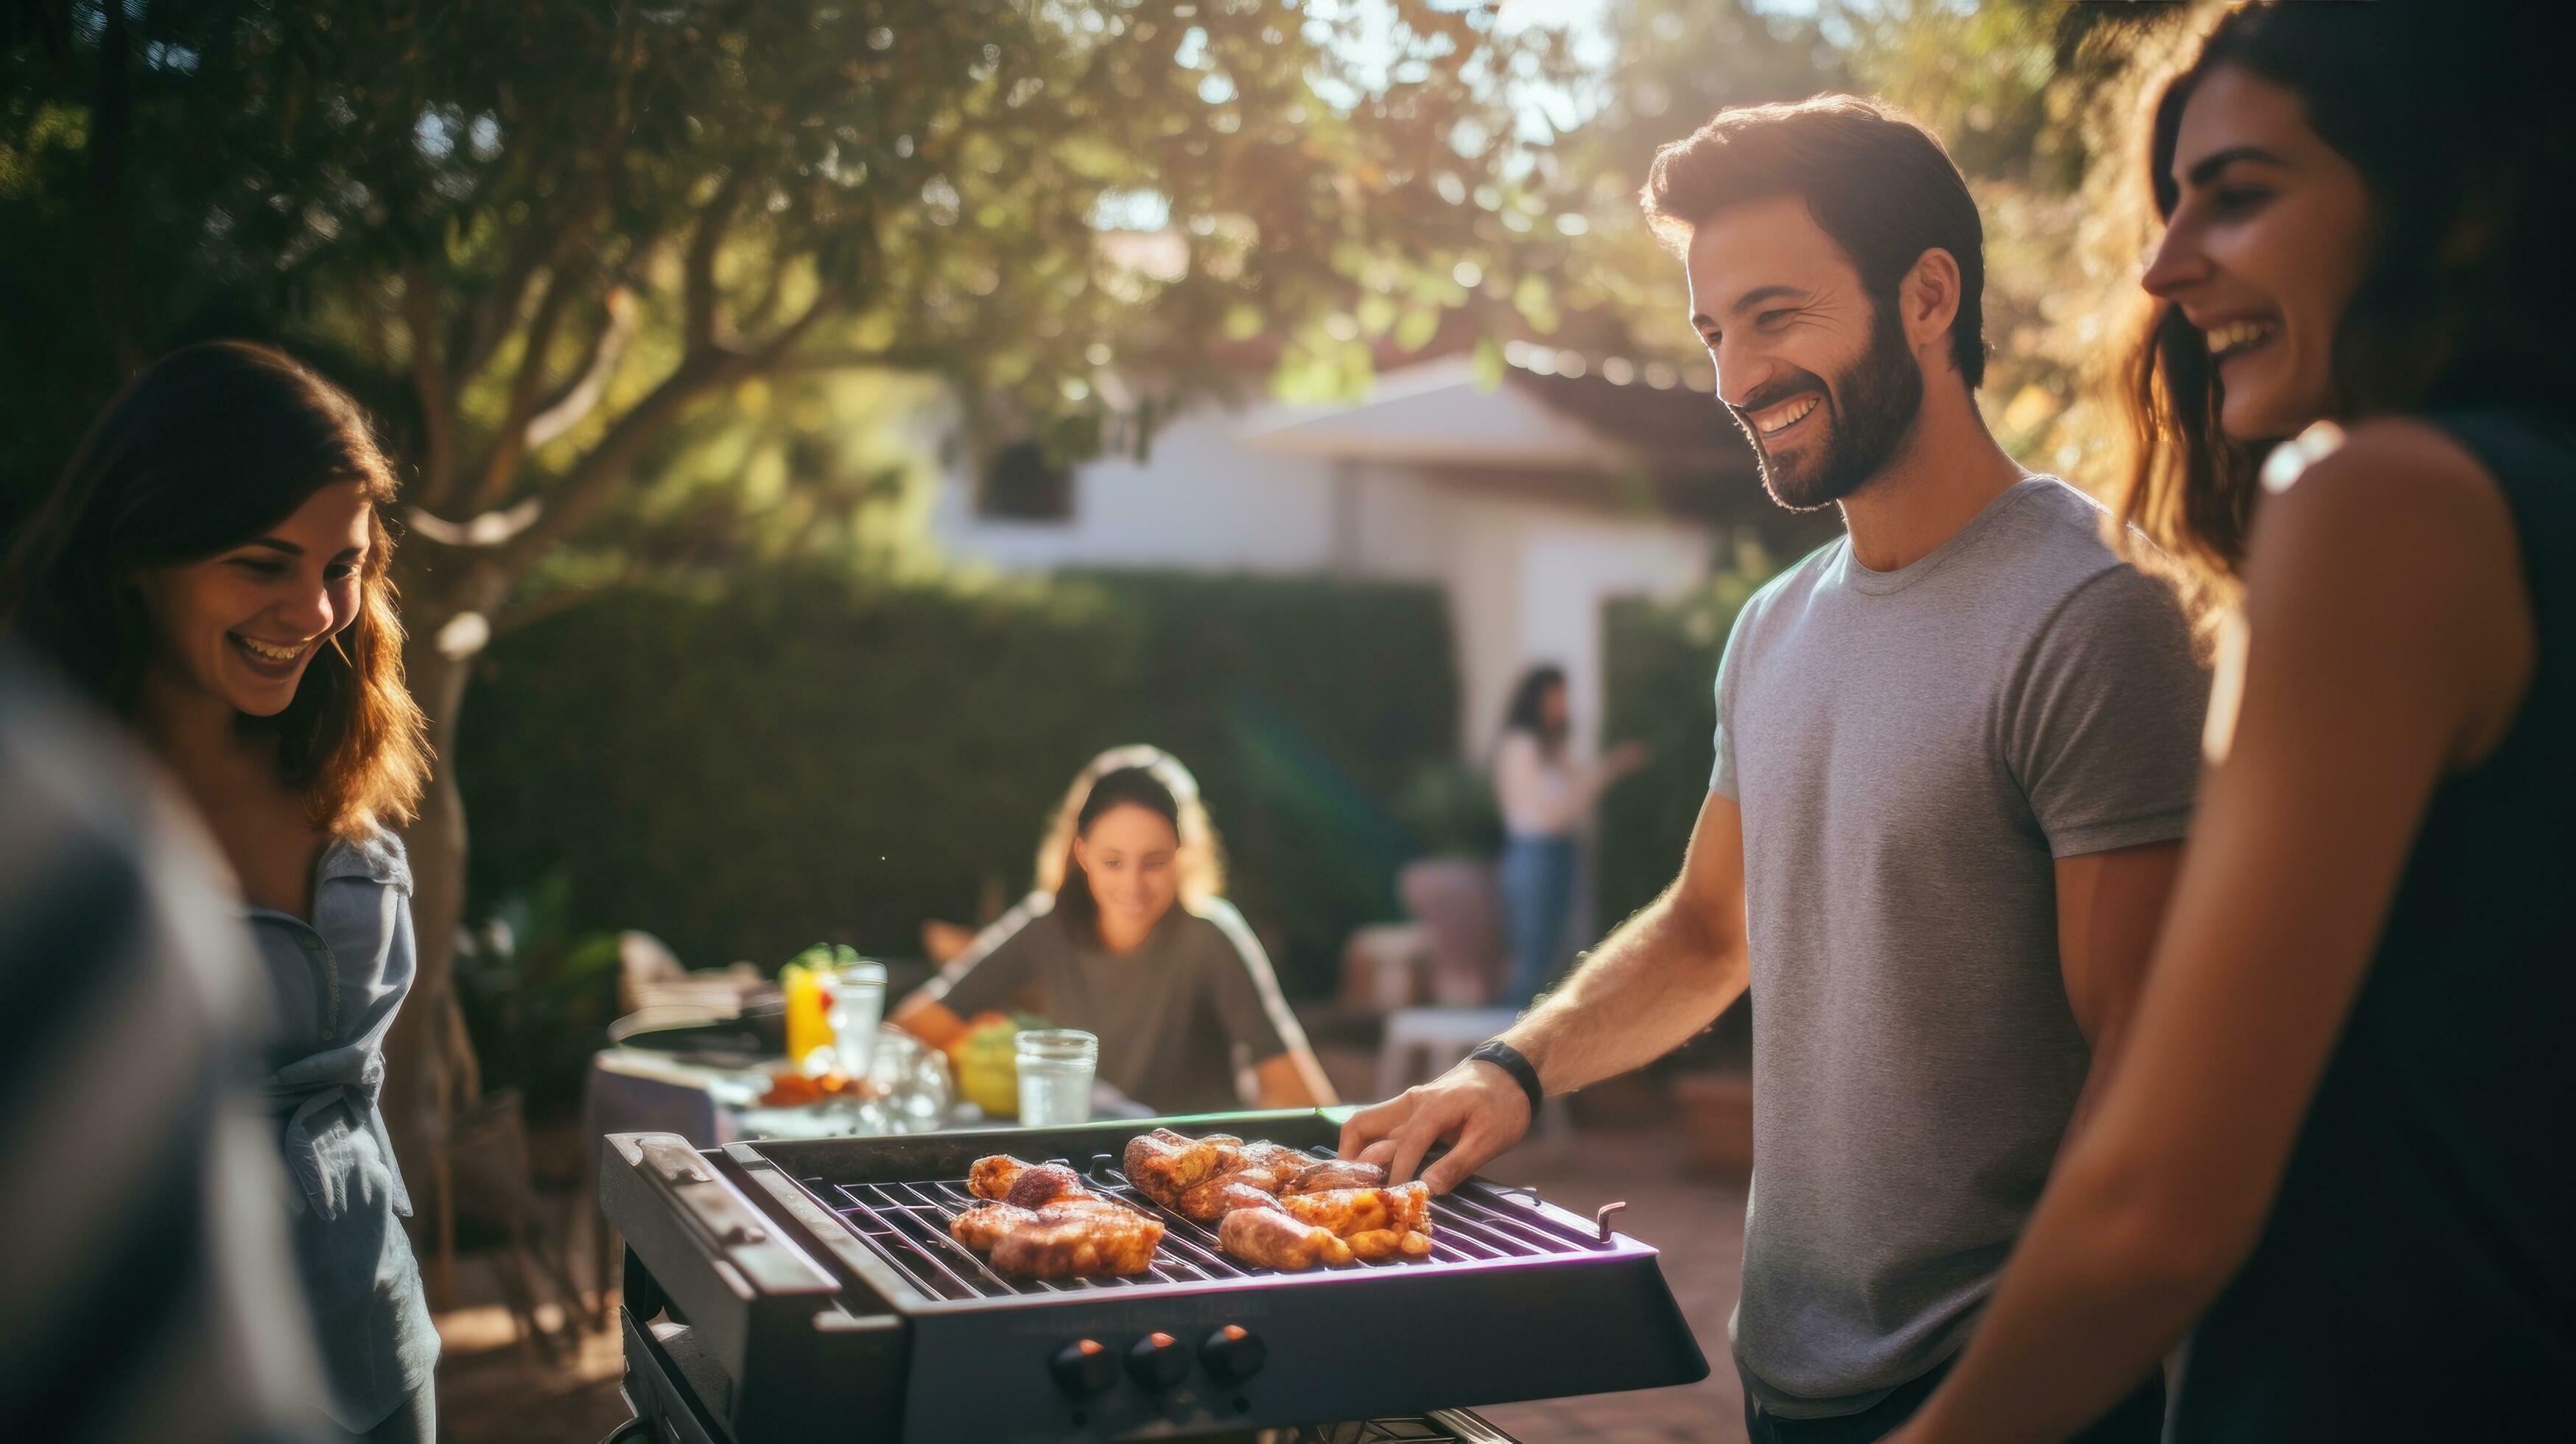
pixel 2417 1277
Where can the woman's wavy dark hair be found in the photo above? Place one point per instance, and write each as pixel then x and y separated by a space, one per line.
pixel 1528 710
pixel 2450 114
pixel 208 448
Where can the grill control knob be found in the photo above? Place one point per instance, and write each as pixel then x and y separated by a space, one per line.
pixel 1084 1367
pixel 1159 1361
pixel 1234 1353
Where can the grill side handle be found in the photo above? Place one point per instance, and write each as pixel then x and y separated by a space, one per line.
pixel 820 1232
pixel 756 1303
pixel 709 1251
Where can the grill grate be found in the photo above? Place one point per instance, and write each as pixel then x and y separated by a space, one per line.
pixel 907 1225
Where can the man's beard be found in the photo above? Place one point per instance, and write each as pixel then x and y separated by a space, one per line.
pixel 1868 409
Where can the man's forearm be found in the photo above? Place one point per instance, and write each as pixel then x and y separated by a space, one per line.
pixel 1663 976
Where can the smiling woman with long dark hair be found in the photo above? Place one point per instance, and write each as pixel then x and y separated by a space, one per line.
pixel 213 568
pixel 2338 1137
pixel 1128 936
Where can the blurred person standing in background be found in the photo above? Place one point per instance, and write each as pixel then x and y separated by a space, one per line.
pixel 1546 796
pixel 213 569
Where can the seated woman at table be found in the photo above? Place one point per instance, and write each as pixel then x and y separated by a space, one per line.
pixel 1126 938
pixel 214 569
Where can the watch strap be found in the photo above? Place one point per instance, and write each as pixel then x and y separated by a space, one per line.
pixel 1508 1058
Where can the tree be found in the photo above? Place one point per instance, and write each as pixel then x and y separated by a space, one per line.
pixel 540 239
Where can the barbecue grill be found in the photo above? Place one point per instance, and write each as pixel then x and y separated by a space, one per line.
pixel 810 1290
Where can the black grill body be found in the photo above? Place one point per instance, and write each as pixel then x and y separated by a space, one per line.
pixel 819 1281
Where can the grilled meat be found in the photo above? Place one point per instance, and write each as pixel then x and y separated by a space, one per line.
pixel 1195 1177
pixel 982 1226
pixel 1336 1173
pixel 1318 1212
pixel 1164 1165
pixel 1352 1211
pixel 1269 1238
pixel 1076 1238
pixel 1042 1184
pixel 1276 1158
pixel 992 1176
pixel 1209 1201
pixel 1379 1244
pixel 1231 1193
pixel 1045 1225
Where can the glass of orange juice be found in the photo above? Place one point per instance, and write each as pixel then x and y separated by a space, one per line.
pixel 809 1017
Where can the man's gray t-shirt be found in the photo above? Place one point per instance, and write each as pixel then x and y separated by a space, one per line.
pixel 1177 1017
pixel 1912 751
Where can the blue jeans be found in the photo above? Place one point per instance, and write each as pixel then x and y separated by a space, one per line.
pixel 1538 891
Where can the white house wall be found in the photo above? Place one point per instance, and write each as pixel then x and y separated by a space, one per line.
pixel 1526 580
pixel 1202 501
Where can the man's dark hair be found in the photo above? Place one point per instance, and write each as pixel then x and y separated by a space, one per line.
pixel 1876 182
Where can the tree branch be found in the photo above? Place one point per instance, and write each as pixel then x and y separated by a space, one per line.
pixel 699 270
pixel 604 468
pixel 430 380
pixel 567 408
pixel 548 247
pixel 510 442
pixel 598 474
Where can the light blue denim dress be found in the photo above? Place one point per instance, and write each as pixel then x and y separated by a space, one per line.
pixel 339 980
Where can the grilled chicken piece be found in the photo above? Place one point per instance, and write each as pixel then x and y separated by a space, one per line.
pixel 1217 1197
pixel 982 1226
pixel 1378 1244
pixel 1276 1158
pixel 992 1176
pixel 1165 1165
pixel 1336 1173
pixel 1042 1184
pixel 1211 1200
pixel 1046 1225
pixel 1270 1238
pixel 1076 1238
pixel 1351 1211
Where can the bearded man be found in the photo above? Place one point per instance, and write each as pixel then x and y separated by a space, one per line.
pixel 1955 756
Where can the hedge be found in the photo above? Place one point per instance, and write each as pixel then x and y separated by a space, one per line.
pixel 1659 662
pixel 804 757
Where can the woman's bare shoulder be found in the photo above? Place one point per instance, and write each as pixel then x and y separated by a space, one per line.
pixel 2399 495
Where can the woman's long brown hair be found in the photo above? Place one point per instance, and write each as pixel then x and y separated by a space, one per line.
pixel 2447 112
pixel 206 449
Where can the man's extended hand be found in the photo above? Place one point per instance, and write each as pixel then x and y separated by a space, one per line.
pixel 1476 1108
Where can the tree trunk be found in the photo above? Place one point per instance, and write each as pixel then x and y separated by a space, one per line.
pixel 418 1082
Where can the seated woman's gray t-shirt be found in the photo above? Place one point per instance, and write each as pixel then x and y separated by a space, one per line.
pixel 1175 1017
pixel 1913 751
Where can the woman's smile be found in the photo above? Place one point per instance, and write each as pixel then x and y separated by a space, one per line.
pixel 277 661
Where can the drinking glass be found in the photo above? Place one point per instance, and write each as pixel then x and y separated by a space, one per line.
pixel 858 1005
pixel 1055 1067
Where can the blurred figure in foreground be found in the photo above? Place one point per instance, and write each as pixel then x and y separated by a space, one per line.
pixel 1128 937
pixel 2339 1137
pixel 147 1295
pixel 213 570
pixel 1545 796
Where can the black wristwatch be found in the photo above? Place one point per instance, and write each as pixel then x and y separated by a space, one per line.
pixel 1508 1058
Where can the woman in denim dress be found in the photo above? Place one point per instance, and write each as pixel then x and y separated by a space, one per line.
pixel 212 567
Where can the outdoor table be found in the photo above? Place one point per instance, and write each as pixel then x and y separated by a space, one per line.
pixel 633 1090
